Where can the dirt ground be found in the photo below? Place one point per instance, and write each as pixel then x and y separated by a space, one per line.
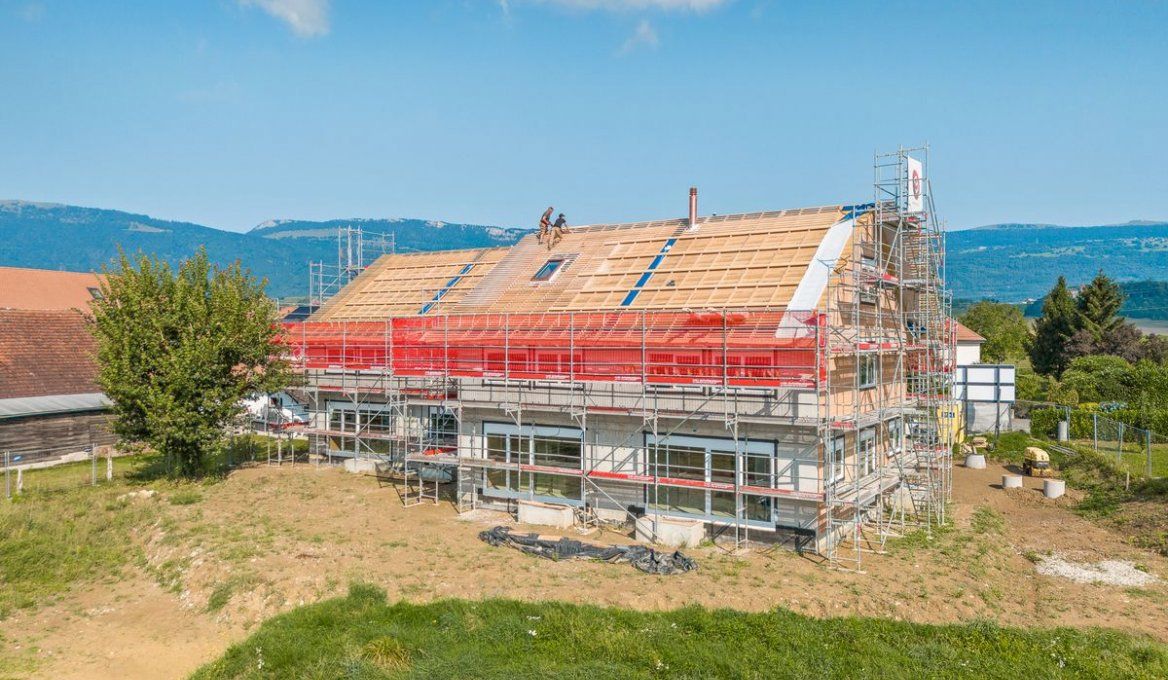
pixel 268 539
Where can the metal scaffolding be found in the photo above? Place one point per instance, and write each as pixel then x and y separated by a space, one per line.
pixel 863 384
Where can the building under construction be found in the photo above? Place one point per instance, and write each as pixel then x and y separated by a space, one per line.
pixel 779 376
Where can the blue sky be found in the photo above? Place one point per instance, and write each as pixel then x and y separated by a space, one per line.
pixel 230 112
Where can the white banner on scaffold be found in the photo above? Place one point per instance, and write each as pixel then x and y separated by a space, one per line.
pixel 916 185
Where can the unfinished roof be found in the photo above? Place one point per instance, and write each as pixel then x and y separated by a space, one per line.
pixel 45 289
pixel 408 284
pixel 728 261
pixel 45 353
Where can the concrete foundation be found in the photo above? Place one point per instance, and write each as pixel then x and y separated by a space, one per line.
pixel 611 515
pixel 1011 481
pixel 546 514
pixel 975 461
pixel 674 533
pixel 901 500
pixel 361 466
pixel 1054 488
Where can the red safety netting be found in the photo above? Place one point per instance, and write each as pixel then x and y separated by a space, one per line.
pixel 755 348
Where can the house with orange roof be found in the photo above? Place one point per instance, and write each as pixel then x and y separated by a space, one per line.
pixel 50 403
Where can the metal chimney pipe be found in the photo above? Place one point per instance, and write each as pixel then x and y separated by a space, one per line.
pixel 693 208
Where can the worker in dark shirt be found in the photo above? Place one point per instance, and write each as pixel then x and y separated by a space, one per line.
pixel 545 224
pixel 558 230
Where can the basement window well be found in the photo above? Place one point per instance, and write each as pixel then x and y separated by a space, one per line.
pixel 548 270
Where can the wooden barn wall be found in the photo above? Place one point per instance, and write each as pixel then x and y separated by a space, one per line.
pixel 48 436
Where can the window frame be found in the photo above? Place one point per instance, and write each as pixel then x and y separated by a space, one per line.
pixel 541 277
pixel 838 450
pixel 866 449
pixel 868 371
pixel 520 447
pixel 713 498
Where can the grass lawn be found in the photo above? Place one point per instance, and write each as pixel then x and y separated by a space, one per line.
pixel 60 532
pixel 1133 456
pixel 63 530
pixel 362 636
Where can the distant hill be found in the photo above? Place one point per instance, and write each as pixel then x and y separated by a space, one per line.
pixel 1016 262
pixel 408 234
pixel 1006 262
pixel 52 236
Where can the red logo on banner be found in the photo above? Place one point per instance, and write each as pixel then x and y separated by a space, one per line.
pixel 916 183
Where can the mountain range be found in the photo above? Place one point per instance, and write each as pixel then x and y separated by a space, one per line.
pixel 1007 262
pixel 52 236
pixel 1018 262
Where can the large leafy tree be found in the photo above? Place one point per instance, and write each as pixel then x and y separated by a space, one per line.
pixel 1049 353
pixel 1004 328
pixel 178 350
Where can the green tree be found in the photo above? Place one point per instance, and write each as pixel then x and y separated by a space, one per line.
pixel 1053 330
pixel 178 350
pixel 1099 378
pixel 1098 305
pixel 1147 386
pixel 1003 327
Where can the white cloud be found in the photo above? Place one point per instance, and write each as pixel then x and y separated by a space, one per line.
pixel 617 5
pixel 644 35
pixel 306 18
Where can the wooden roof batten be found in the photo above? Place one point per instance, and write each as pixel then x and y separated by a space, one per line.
pixel 747 260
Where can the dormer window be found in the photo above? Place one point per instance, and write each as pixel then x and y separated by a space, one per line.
pixel 95 293
pixel 548 270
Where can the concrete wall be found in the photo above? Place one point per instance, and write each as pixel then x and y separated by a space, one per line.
pixel 762 403
pixel 616 443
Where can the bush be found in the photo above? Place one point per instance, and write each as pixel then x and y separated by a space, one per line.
pixel 1044 423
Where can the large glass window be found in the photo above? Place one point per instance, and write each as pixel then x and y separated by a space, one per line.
pixel 534 445
pixel 675 460
pixel 372 421
pixel 441 426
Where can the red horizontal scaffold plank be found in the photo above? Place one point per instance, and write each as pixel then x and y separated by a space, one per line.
pixel 745 349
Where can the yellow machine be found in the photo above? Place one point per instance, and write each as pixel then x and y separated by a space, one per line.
pixel 1036 462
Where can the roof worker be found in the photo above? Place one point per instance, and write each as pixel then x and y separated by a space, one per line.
pixel 545 224
pixel 558 230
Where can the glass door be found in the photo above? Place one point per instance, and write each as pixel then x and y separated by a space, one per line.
pixel 708 460
pixel 543 446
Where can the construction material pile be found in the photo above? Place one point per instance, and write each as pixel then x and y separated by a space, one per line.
pixel 645 559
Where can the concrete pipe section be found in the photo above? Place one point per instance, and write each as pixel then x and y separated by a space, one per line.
pixel 975 461
pixel 1011 481
pixel 1054 488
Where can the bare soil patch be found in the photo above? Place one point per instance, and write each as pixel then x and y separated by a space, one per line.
pixel 267 539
